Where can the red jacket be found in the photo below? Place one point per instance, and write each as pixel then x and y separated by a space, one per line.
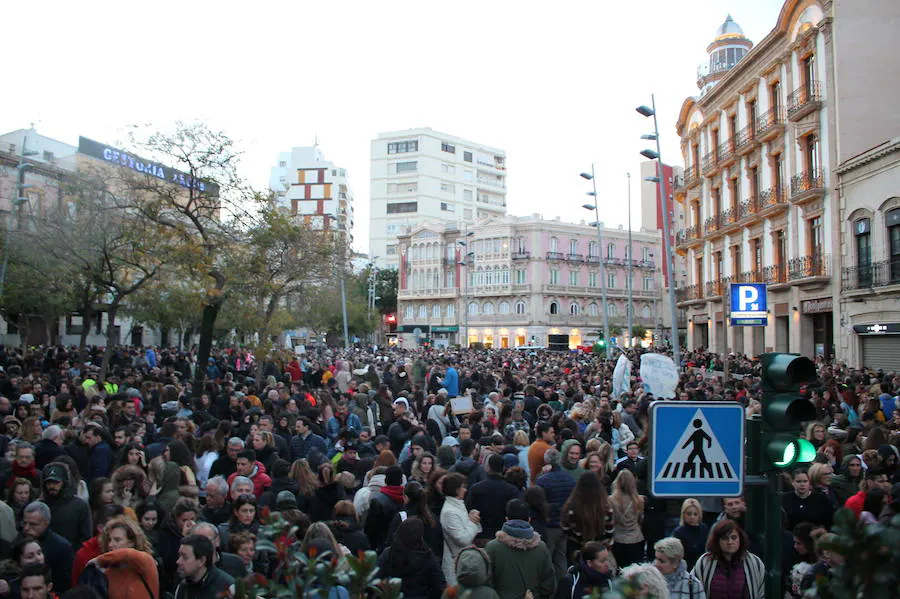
pixel 261 480
pixel 855 503
pixel 88 551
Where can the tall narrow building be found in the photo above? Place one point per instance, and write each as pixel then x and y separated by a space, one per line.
pixel 419 175
pixel 313 189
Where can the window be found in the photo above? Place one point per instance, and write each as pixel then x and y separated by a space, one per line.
pixel 610 281
pixel 751 115
pixel 610 251
pixel 592 309
pixel 554 277
pixel 282 163
pixel 775 97
pixel 447 168
pixel 403 147
pixel 812 155
pixel 520 277
pixel 611 310
pixel 467 195
pixel 645 312
pixel 473 308
pixel 778 173
pixel 815 236
pixel 862 228
pixel 467 214
pixel 756 255
pixel 449 148
pixel 645 254
pixel 520 307
pixel 451 310
pixel 48 156
pixel 573 278
pixel 407 167
pixel 408 313
pixel 892 220
pixel 447 187
pixel 488 308
pixel 467 175
pixel 503 308
pixel 445 207
pixel 423 311
pixel 573 246
pixel 402 207
pixel 449 279
pixel 592 249
pixel 648 283
pixel 574 309
pixel 809 73
pixel 467 156
pixel 554 308
pixel 436 311
pixel 593 277
pixel 408 187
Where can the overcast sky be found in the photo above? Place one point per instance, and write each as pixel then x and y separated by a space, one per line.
pixel 553 84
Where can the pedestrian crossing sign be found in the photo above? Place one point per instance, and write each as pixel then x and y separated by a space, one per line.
pixel 696 449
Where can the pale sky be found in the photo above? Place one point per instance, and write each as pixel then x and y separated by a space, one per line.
pixel 553 84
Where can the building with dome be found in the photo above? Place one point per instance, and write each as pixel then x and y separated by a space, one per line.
pixel 792 178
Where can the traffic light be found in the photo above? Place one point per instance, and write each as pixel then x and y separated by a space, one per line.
pixel 785 409
pixel 599 346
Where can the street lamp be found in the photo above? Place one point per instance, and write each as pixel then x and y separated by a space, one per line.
pixel 648 112
pixel 629 308
pixel 465 262
pixel 596 208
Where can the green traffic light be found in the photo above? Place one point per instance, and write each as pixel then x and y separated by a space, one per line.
pixel 785 450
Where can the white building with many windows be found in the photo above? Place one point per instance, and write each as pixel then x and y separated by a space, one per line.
pixel 514 281
pixel 419 175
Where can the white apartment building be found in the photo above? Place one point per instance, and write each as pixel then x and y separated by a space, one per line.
pixel 313 189
pixel 514 281
pixel 421 174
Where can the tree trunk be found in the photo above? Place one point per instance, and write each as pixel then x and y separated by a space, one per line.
pixel 87 317
pixel 110 342
pixel 264 342
pixel 207 325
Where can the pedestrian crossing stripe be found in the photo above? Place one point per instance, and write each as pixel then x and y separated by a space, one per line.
pixel 698 455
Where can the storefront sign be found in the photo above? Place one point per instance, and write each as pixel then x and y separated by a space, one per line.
pixel 818 306
pixel 89 147
pixel 452 329
pixel 419 329
pixel 877 329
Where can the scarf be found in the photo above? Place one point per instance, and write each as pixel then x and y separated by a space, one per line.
pixel 29 472
pixel 395 492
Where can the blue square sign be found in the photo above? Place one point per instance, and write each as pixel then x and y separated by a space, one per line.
pixel 748 304
pixel 696 449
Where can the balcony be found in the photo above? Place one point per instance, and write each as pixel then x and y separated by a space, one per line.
pixel 729 217
pixel 709 164
pixel 575 258
pixel 711 225
pixel 770 125
pixel 745 140
pixel 774 275
pixel 522 255
pixel 871 276
pixel 726 154
pixel 491 182
pixel 807 186
pixel 748 208
pixel 555 256
pixel 804 100
pixel 678 184
pixel 812 269
pixel 772 200
pixel 691 293
pixel 691 176
pixel 714 288
pixel 751 276
pixel 688 235
pixel 593 259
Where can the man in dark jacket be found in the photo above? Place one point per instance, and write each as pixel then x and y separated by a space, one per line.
pixel 102 460
pixel 306 441
pixel 217 509
pixel 490 497
pixel 226 464
pixel 466 464
pixel 557 485
pixel 280 482
pixel 229 563
pixel 591 574
pixel 200 578
pixel 58 553
pixel 71 516
pixel 383 507
pixel 49 447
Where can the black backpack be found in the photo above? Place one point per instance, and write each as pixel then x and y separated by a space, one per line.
pixel 92 576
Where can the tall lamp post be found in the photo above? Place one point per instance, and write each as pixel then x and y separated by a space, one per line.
pixel 596 208
pixel 650 111
pixel 629 308
pixel 342 226
pixel 465 263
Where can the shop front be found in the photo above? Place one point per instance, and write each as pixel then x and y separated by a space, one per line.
pixel 879 345
pixel 820 320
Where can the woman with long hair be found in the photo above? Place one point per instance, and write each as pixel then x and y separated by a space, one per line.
pixel 415 503
pixel 846 484
pixel 628 513
pixel 691 531
pixel 149 518
pixel 207 453
pixel 539 507
pixel 31 430
pixel 307 483
pixel 182 455
pixel 263 443
pixel 820 477
pixel 329 492
pixel 817 434
pixel 586 515
pixel 422 467
pixel 410 558
pixel 130 486
pixel 19 494
pixel 522 443
pixel 319 534
pixel 132 454
pixel 346 528
pixel 727 554
pixel 244 518
pixel 598 463
pixel 435 491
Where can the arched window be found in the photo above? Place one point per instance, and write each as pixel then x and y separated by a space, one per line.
pixel 592 309
pixel 423 311
pixel 488 308
pixel 574 309
pixel 473 308
pixel 554 308
pixel 503 308
pixel 611 310
pixel 436 311
pixel 645 312
pixel 520 307
pixel 451 310
pixel 410 311
pixel 489 277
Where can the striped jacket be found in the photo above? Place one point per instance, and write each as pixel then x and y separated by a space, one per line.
pixel 754 573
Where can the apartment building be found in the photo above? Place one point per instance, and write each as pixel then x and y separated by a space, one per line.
pixel 421 174
pixel 756 200
pixel 313 189
pixel 514 281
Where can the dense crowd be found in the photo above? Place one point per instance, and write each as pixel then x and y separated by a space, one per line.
pixel 504 473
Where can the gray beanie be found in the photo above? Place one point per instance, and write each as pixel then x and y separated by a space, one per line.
pixel 285 501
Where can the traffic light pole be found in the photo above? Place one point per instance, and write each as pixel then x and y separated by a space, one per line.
pixel 773 547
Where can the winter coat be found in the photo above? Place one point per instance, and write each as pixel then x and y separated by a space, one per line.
pixel 470 469
pixel 419 570
pixel 127 570
pixel 321 507
pixel 168 487
pixel 473 574
pixel 573 470
pixel 70 516
pixel 88 551
pixel 302 446
pixel 210 586
pixel 59 556
pixel 348 533
pixel 557 485
pixel 521 565
pixel 382 510
pixel 490 497
pixel 434 536
pixel 581 580
pixel 102 461
pixel 261 480
pixel 754 573
pixel 459 532
pixel 693 538
pixel 684 585
pixel 278 485
pixel 45 451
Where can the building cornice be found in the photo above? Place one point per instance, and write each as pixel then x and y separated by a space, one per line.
pixel 885 149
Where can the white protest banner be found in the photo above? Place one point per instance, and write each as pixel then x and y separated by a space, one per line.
pixel 659 375
pixel 622 377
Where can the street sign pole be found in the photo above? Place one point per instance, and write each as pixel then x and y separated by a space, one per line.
pixel 726 322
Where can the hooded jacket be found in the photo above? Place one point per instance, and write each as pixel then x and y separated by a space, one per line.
pixel 473 575
pixel 574 470
pixel 123 473
pixel 490 497
pixel 470 469
pixel 70 516
pixel 521 562
pixel 581 580
pixel 419 570
pixel 261 480
pixel 168 487
pixel 363 497
pixel 278 485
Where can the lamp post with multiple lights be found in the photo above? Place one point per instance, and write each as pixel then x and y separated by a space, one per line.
pixel 650 111
pixel 467 255
pixel 596 208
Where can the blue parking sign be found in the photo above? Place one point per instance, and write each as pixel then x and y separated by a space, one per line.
pixel 748 304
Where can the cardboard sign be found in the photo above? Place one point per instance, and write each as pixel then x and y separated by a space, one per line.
pixel 622 377
pixel 659 375
pixel 462 404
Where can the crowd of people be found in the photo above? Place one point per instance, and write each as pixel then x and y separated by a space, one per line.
pixel 502 473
